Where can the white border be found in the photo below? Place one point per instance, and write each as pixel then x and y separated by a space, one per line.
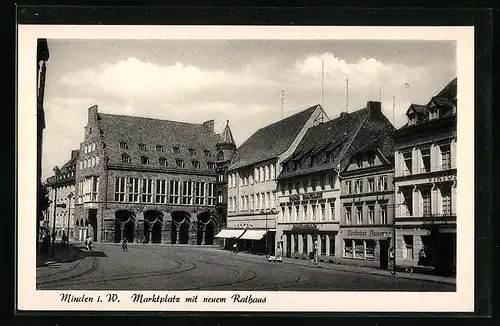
pixel 462 300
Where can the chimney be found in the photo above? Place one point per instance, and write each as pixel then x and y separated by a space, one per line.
pixel 92 113
pixel 373 106
pixel 209 125
pixel 74 153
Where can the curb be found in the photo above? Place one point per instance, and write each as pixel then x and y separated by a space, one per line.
pixel 47 263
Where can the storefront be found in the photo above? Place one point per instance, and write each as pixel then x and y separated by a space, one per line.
pixel 367 246
pixel 296 240
pixel 253 235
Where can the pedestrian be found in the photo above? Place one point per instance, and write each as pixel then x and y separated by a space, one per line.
pixel 316 252
pixel 124 244
pixel 89 241
pixel 235 247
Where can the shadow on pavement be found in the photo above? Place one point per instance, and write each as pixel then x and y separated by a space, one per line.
pixel 82 253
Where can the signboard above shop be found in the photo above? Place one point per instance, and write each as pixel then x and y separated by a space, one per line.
pixel 305 226
pixel 367 233
pixel 307 196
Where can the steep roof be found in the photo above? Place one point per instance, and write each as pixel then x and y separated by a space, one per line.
pixel 343 137
pixel 152 132
pixel 64 175
pixel 272 140
pixel 226 137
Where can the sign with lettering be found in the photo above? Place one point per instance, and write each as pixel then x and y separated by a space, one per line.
pixel 367 233
pixel 312 195
pixel 294 197
pixel 243 225
pixel 443 178
pixel 90 205
pixel 305 227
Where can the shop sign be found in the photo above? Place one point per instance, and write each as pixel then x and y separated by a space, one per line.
pixel 294 197
pixel 368 233
pixel 243 225
pixel 305 227
pixel 443 178
pixel 90 205
pixel 311 196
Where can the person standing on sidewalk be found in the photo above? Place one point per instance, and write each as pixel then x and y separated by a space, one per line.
pixel 124 244
pixel 316 252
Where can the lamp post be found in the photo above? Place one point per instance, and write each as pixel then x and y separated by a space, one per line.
pixel 70 195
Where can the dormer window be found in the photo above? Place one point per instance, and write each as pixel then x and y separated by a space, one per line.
pixel 433 112
pixel 359 162
pixel 195 164
pixel 220 156
pixel 144 160
pixel 125 158
pixel 314 160
pixel 207 153
pixel 159 148
pixel 163 161
pixel 192 151
pixel 412 119
pixel 211 165
pixel 123 145
pixel 371 160
pixel 176 150
pixel 179 163
pixel 328 156
pixel 142 147
pixel 296 165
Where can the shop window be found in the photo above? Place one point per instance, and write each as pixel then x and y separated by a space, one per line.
pixel 359 249
pixel 408 253
pixel 304 244
pixel 323 244
pixel 370 249
pixel 348 252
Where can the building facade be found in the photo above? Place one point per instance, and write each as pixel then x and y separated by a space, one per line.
pixel 149 180
pixel 252 181
pixel 426 183
pixel 310 183
pixel 62 204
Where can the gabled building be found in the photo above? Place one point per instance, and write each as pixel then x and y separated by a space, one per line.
pixel 312 180
pixel 62 204
pixel 252 180
pixel 149 180
pixel 426 183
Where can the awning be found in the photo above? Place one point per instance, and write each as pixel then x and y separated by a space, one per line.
pixel 253 234
pixel 225 233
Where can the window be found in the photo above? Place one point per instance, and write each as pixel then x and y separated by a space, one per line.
pixel 125 158
pixel 358 186
pixel 144 160
pixel 161 191
pixel 192 151
pixel 195 164
pixel 433 113
pixel 323 244
pixel 445 157
pixel 348 216
pixel 426 201
pixel 382 183
pixel 95 187
pixel 296 164
pixel 305 211
pixel 133 190
pixel 159 148
pixel 383 213
pixel 147 191
pixel 273 172
pixel 297 209
pixel 369 249
pixel 266 173
pixel 289 186
pixel 290 213
pixel 297 187
pixel 332 210
pixel 359 162
pixel 371 214
pixel 323 212
pixel 142 147
pixel 187 193
pixel 220 178
pixel 322 183
pixel 220 197
pixel 174 192
pixel 313 212
pixel 199 193
pixel 81 165
pixel 359 214
pixel 119 189
pixel 211 194
pixel 256 175
pixel 314 184
pixel 426 160
pixel 176 150
pixel 211 165
pixel 407 168
pixel 348 248
pixel 179 163
pixel 348 186
pixel 163 161
pixel 408 253
pixel 314 160
pixel 371 185
pixel 252 202
pixel 359 248
pixel 446 201
pixel 208 154
pixel 304 243
pixel 305 185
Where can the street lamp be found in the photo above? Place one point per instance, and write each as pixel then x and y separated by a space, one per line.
pixel 70 195
pixel 271 211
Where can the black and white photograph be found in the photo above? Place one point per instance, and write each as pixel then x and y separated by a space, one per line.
pixel 241 168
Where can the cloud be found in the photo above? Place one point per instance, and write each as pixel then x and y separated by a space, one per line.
pixel 135 79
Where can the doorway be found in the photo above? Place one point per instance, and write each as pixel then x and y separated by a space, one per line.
pixel 92 217
pixel 288 246
pixel 384 253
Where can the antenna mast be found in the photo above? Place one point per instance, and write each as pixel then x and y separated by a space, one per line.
pixel 322 79
pixel 347 94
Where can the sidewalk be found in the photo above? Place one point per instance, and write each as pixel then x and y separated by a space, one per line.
pixel 373 271
pixel 61 254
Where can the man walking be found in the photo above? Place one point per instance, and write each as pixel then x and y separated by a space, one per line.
pixel 124 244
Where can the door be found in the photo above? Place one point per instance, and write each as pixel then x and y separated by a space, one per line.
pixel 384 254
pixel 288 246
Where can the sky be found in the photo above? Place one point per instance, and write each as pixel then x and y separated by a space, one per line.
pixel 236 80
